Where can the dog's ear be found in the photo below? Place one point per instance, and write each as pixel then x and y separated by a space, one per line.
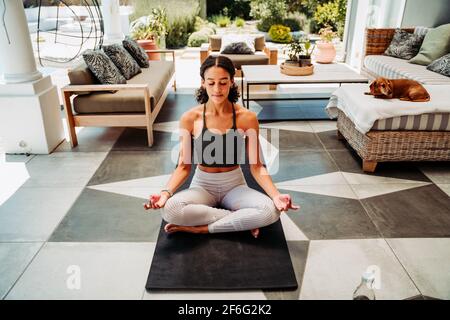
pixel 372 87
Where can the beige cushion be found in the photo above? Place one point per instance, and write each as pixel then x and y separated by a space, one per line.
pixel 81 75
pixel 157 76
pixel 215 41
pixel 239 60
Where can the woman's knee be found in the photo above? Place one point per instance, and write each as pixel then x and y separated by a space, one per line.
pixel 270 212
pixel 172 211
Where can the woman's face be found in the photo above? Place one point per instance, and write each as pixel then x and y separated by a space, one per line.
pixel 217 83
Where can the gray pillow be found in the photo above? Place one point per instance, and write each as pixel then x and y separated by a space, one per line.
pixel 102 67
pixel 404 45
pixel 123 60
pixel 441 65
pixel 237 48
pixel 136 51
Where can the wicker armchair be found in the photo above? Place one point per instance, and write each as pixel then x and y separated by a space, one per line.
pixel 391 145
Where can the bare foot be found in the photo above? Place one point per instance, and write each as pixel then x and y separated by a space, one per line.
pixel 255 232
pixel 172 228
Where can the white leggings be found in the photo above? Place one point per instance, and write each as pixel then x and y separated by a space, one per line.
pixel 244 208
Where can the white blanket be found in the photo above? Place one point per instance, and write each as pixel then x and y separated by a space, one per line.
pixel 364 110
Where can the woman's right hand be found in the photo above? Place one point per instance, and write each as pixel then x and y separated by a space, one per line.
pixel 156 201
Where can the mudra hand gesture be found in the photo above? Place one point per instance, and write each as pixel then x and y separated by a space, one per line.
pixel 283 202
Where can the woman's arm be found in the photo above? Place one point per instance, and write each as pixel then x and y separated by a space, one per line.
pixel 257 169
pixel 183 169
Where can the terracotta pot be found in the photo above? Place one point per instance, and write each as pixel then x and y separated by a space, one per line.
pixel 150 45
pixel 325 52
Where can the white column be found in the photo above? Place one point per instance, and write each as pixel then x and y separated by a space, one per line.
pixel 16 51
pixel 30 114
pixel 112 21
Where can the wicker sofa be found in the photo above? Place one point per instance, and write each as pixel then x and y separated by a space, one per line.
pixel 134 104
pixel 386 142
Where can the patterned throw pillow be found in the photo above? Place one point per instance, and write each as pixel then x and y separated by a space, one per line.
pixel 441 65
pixel 136 51
pixel 228 39
pixel 404 45
pixel 102 67
pixel 237 48
pixel 123 60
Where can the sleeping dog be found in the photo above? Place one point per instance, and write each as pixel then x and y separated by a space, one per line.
pixel 404 89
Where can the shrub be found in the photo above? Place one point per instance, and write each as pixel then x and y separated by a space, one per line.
pixel 331 14
pixel 235 8
pixel 280 33
pixel 197 38
pixel 179 32
pixel 239 22
pixel 221 20
pixel 293 24
pixel 270 12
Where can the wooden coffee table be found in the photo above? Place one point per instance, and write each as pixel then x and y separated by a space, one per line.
pixel 270 74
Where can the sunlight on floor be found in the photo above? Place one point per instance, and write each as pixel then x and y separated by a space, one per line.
pixel 12 175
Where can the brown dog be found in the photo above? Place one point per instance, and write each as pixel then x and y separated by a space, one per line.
pixel 403 89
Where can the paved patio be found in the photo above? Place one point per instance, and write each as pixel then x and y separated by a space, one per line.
pixel 79 212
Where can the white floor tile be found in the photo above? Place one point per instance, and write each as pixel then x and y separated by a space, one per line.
pixel 341 191
pixel 437 174
pixel 428 263
pixel 32 214
pixel 63 169
pixel 323 125
pixel 86 271
pixel 14 258
pixel 445 188
pixel 334 269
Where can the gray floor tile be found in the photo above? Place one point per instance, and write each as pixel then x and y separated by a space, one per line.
pixel 295 140
pixel 419 213
pixel 32 214
pixel 86 271
pixel 126 165
pixel 334 269
pixel 349 161
pixel 135 139
pixel 14 258
pixel 100 216
pixel 19 158
pixel 330 140
pixel 63 169
pixel 428 263
pixel 93 139
pixel 295 165
pixel 324 217
pixel 299 252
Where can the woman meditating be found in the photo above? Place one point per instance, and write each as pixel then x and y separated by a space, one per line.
pixel 219 133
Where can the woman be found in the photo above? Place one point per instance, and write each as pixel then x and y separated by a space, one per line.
pixel 218 179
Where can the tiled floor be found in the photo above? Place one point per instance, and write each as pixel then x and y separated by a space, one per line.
pixel 72 224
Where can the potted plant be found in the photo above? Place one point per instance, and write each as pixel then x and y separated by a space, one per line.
pixel 305 56
pixel 150 31
pixel 293 50
pixel 326 51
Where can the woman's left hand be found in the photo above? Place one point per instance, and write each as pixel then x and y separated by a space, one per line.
pixel 283 202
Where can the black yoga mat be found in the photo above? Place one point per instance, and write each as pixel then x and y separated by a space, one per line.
pixel 222 261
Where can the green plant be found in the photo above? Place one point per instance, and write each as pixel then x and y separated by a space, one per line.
pixel 274 10
pixel 331 14
pixel 293 50
pixel 221 20
pixel 179 31
pixel 151 27
pixel 239 22
pixel 280 33
pixel 197 38
pixel 327 34
pixel 265 24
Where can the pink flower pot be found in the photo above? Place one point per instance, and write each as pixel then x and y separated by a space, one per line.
pixel 325 52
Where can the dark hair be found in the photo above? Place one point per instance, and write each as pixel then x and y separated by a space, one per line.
pixel 223 62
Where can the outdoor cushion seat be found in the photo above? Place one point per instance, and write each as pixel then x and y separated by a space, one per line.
pixel 128 101
pixel 245 59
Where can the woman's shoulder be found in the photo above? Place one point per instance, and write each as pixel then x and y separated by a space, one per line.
pixel 190 116
pixel 246 118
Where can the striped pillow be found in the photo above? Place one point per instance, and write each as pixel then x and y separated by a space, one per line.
pixel 123 60
pixel 102 67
